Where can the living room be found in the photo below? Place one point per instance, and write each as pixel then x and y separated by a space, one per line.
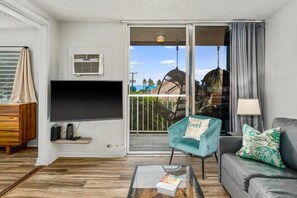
pixel 54 31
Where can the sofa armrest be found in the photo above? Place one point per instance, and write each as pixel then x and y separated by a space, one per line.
pixel 228 144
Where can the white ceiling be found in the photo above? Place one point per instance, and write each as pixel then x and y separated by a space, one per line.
pixel 9 22
pixel 114 10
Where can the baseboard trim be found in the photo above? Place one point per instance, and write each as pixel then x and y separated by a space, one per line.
pixel 51 160
pixel 54 158
pixel 32 145
pixel 90 154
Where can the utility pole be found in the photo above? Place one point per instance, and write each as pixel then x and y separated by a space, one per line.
pixel 132 81
pixel 218 49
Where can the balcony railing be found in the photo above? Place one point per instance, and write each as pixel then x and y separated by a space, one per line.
pixel 144 116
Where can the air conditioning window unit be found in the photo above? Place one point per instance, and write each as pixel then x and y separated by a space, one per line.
pixel 88 64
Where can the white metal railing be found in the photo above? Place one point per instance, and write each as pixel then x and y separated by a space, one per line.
pixel 144 117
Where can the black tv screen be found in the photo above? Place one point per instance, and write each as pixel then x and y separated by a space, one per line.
pixel 86 100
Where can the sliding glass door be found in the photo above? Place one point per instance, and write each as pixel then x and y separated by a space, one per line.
pixel 158 85
pixel 211 73
pixel 165 71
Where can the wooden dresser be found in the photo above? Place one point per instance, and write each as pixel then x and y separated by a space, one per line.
pixel 17 124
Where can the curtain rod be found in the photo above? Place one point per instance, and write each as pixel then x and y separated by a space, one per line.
pixel 187 21
pixel 26 47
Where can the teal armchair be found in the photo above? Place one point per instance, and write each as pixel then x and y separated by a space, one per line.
pixel 207 145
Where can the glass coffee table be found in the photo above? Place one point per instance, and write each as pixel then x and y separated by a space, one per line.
pixel 145 178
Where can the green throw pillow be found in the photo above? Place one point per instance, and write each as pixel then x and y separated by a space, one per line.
pixel 261 146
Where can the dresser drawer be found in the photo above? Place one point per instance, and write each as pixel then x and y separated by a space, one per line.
pixel 9 138
pixel 9 123
pixel 17 124
pixel 9 109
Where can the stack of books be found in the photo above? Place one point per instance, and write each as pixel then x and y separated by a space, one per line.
pixel 168 184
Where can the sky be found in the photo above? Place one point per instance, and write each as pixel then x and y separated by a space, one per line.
pixel 156 61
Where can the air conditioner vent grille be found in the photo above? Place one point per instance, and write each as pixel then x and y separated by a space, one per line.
pixel 88 64
pixel 93 56
pixel 86 67
pixel 80 56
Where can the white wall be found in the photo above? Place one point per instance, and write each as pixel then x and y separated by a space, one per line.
pixel 281 65
pixel 28 38
pixel 109 39
pixel 24 38
pixel 49 151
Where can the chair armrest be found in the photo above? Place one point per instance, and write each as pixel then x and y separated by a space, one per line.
pixel 177 130
pixel 209 131
pixel 228 144
pixel 209 139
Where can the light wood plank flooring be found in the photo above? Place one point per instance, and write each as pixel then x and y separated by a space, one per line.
pixel 105 177
pixel 15 166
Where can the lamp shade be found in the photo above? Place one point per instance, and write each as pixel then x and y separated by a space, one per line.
pixel 248 107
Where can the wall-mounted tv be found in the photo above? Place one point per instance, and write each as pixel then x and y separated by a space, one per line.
pixel 86 100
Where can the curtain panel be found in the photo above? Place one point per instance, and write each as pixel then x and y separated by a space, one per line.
pixel 23 88
pixel 247 71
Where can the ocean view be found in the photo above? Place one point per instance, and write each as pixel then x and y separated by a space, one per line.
pixel 140 87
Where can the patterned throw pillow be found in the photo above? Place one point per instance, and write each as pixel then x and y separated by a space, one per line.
pixel 196 127
pixel 261 146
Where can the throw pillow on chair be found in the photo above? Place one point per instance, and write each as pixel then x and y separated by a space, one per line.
pixel 196 127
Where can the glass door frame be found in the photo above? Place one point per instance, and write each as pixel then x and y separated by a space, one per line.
pixel 193 61
pixel 190 71
pixel 187 66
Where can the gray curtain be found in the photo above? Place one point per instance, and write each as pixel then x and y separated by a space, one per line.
pixel 247 71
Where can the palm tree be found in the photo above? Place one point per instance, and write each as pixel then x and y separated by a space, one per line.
pixel 158 82
pixel 150 82
pixel 144 83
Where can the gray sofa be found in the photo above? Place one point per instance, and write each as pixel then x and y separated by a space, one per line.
pixel 248 178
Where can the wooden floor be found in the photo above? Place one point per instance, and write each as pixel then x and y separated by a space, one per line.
pixel 104 177
pixel 15 166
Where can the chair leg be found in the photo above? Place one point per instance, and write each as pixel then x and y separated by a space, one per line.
pixel 171 156
pixel 202 159
pixel 216 156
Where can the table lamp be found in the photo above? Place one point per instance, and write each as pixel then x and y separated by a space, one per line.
pixel 248 107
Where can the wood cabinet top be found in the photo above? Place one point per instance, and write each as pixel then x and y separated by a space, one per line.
pixel 15 104
pixel 15 108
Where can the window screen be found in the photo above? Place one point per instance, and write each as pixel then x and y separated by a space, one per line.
pixel 8 64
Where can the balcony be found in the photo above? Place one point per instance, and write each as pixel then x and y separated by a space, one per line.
pixel 148 129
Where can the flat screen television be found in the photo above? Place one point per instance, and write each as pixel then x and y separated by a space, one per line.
pixel 86 100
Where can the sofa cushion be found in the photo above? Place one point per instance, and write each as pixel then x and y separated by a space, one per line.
pixel 242 170
pixel 272 188
pixel 288 143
